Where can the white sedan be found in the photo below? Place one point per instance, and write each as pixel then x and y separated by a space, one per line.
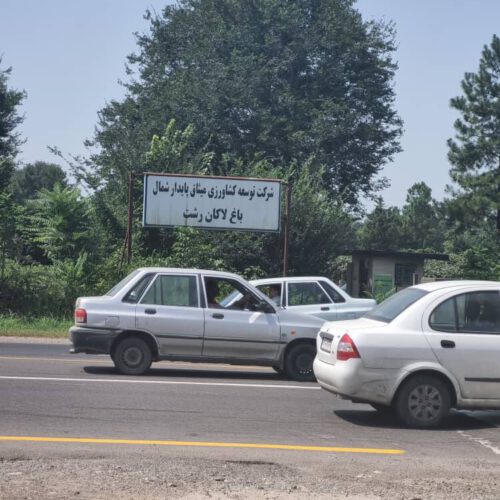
pixel 315 296
pixel 424 350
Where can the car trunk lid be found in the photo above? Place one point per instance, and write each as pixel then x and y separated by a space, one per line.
pixel 334 333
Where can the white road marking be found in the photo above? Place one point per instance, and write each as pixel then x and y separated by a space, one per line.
pixel 160 382
pixel 483 442
pixel 158 364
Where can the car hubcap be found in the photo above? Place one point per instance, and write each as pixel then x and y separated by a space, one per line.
pixel 304 363
pixel 424 403
pixel 132 357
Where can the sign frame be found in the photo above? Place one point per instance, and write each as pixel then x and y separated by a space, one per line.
pixel 253 180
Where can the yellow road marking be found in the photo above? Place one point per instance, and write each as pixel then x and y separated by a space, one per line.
pixel 331 449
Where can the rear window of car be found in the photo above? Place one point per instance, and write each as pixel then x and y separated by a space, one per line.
pixel 336 297
pixel 122 283
pixel 135 293
pixel 392 307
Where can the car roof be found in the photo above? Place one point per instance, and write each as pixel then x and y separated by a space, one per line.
pixel 439 285
pixel 187 270
pixel 288 278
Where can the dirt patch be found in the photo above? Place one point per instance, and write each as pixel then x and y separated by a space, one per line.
pixel 165 477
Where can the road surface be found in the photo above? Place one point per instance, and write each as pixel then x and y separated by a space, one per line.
pixel 71 425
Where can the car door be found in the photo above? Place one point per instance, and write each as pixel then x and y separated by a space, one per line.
pixel 464 333
pixel 242 329
pixel 346 307
pixel 309 297
pixel 170 310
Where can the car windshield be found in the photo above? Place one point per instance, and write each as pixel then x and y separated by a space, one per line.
pixel 123 282
pixel 395 305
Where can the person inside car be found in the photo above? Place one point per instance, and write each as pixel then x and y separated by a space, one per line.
pixel 212 289
pixel 275 294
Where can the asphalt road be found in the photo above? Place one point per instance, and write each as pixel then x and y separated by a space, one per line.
pixel 51 400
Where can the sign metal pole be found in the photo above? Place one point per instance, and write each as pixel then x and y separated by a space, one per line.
pixel 288 195
pixel 130 215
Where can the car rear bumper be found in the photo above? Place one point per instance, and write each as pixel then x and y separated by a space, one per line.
pixel 91 341
pixel 339 378
pixel 351 380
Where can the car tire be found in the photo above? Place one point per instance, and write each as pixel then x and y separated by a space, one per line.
pixel 299 363
pixel 423 401
pixel 132 356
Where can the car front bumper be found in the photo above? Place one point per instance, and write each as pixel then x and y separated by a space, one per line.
pixel 91 341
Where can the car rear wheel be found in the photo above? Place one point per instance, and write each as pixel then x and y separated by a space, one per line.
pixel 132 356
pixel 299 362
pixel 423 401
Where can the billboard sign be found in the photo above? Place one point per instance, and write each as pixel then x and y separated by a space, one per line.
pixel 212 202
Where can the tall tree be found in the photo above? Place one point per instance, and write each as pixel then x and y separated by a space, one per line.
pixel 422 220
pixel 382 228
pixel 475 153
pixel 27 181
pixel 282 80
pixel 10 100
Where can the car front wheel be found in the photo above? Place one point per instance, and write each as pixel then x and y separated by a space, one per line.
pixel 423 401
pixel 299 362
pixel 132 356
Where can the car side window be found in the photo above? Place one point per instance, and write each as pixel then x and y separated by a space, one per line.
pixel 224 293
pixel 172 290
pixel 474 312
pixel 273 291
pixel 306 293
pixel 336 297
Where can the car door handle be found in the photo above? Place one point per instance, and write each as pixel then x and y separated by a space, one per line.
pixel 217 316
pixel 447 344
pixel 150 311
pixel 325 308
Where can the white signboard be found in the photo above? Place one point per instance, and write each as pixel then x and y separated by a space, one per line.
pixel 212 202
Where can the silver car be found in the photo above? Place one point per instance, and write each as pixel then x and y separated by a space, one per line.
pixel 314 295
pixel 426 349
pixel 192 315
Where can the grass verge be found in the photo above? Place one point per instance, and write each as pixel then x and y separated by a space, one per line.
pixel 19 326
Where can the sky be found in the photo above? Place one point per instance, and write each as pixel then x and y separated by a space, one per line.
pixel 70 55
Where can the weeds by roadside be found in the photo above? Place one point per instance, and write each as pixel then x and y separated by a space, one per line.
pixel 20 326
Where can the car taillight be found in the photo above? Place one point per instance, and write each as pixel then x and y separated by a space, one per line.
pixel 80 316
pixel 347 349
